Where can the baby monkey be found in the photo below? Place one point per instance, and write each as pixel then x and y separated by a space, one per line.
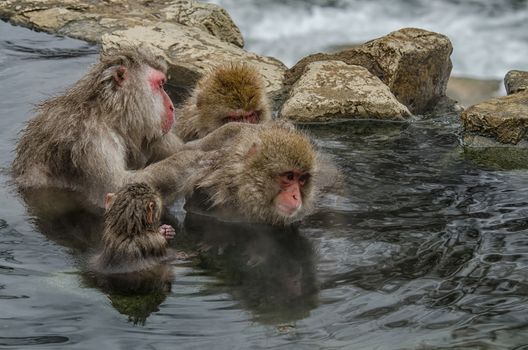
pixel 132 239
pixel 232 92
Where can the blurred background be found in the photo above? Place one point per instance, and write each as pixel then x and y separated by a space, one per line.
pixel 489 37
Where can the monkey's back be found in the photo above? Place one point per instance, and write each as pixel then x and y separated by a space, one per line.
pixel 51 145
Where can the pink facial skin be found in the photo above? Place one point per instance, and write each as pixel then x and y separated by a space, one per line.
pixel 157 80
pixel 242 116
pixel 289 199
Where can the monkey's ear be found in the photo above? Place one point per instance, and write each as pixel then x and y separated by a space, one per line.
pixel 120 75
pixel 151 207
pixel 109 200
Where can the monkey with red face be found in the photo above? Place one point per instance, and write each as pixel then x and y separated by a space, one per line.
pixel 103 131
pixel 268 173
pixel 230 92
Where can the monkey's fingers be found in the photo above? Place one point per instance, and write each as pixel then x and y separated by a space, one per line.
pixel 167 231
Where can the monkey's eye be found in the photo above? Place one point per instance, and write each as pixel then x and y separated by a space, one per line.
pixel 289 175
pixel 303 179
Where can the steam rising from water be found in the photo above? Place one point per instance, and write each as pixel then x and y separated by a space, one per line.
pixel 489 37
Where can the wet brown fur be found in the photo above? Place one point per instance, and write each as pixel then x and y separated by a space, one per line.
pixel 228 87
pixel 89 137
pixel 131 240
pixel 246 176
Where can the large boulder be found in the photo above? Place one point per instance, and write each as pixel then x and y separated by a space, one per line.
pixel 190 52
pixel 414 63
pixel 207 17
pixel 503 119
pixel 89 20
pixel 515 81
pixel 192 36
pixel 332 89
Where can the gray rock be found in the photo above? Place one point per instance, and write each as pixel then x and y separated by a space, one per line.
pixel 332 90
pixel 515 81
pixel 503 119
pixel 414 63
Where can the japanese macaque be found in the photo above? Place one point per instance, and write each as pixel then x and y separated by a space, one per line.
pixel 133 239
pixel 269 173
pixel 102 132
pixel 232 92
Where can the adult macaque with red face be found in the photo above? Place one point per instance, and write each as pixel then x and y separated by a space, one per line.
pixel 103 131
pixel 268 173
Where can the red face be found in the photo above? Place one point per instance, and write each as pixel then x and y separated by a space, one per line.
pixel 289 199
pixel 157 81
pixel 242 116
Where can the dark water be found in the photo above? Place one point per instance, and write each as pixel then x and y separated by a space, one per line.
pixel 424 248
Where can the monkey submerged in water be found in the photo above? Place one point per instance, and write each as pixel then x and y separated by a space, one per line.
pixel 132 239
pixel 104 130
pixel 269 173
pixel 232 92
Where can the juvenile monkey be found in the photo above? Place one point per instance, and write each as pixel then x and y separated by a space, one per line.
pixel 102 132
pixel 133 239
pixel 232 92
pixel 268 174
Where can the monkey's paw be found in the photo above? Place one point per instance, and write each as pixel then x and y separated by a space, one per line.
pixel 167 231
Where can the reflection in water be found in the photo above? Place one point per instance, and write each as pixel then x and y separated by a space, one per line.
pixel 136 294
pixel 269 270
pixel 65 217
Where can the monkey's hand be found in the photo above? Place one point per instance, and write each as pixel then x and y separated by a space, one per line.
pixel 167 231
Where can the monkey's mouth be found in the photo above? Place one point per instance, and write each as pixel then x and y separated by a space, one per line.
pixel 286 211
pixel 244 117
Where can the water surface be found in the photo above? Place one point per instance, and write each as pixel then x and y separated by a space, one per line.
pixel 423 248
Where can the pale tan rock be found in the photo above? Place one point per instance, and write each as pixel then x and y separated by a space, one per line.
pixel 330 90
pixel 191 52
pixel 414 63
pixel 89 20
pixel 504 119
pixel 207 17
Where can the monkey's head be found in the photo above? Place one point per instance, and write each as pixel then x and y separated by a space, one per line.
pixel 128 85
pixel 232 92
pixel 133 210
pixel 277 181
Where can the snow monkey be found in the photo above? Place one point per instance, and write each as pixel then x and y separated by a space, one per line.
pixel 232 92
pixel 102 132
pixel 269 173
pixel 133 239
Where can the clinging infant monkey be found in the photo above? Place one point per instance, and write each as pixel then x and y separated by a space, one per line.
pixel 133 239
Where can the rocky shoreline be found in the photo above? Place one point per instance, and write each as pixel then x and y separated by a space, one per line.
pixel 393 77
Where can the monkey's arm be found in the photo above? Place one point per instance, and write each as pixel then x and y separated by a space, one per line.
pixel 108 170
pixel 220 137
pixel 165 147
pixel 176 175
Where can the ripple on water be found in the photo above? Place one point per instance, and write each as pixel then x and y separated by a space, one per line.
pixel 26 341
